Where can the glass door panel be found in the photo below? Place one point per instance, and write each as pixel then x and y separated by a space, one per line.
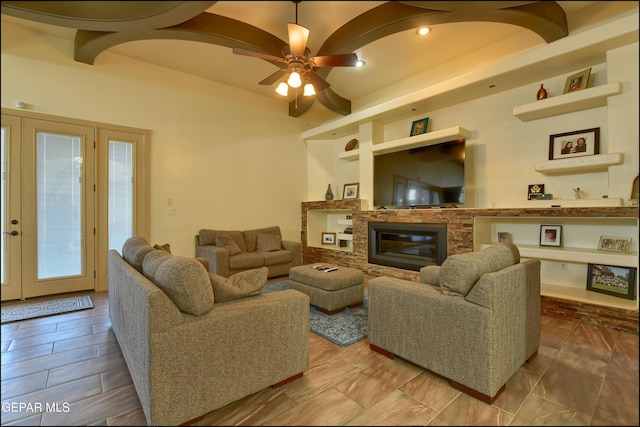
pixel 59 192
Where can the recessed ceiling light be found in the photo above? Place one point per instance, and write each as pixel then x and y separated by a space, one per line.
pixel 423 31
pixel 360 63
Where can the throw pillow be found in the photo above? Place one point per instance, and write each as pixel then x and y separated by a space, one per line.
pixel 240 285
pixel 268 242
pixel 134 250
pixel 184 280
pixel 166 247
pixel 460 272
pixel 226 241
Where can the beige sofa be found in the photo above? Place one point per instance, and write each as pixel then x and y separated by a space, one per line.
pixel 233 251
pixel 475 320
pixel 187 352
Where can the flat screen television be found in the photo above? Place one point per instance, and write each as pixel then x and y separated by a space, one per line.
pixel 430 176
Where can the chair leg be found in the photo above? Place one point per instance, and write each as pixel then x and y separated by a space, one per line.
pixel 382 351
pixel 476 394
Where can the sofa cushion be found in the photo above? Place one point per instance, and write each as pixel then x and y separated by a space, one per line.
pixel 184 280
pixel 277 257
pixel 246 260
pixel 134 250
pixel 239 285
pixel 251 236
pixel 460 272
pixel 224 240
pixel 268 242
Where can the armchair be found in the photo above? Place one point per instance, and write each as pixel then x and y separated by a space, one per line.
pixel 475 320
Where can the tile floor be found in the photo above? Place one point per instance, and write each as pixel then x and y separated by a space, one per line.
pixel 583 375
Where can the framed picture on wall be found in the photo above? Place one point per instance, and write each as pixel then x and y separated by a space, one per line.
pixel 504 237
pixel 612 280
pixel 351 191
pixel 419 126
pixel 550 235
pixel 328 238
pixel 577 81
pixel 577 143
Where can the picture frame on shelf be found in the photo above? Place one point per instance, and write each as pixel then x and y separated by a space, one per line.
pixel 615 244
pixel 328 238
pixel 612 280
pixel 550 235
pixel 351 191
pixel 585 142
pixel 535 190
pixel 577 81
pixel 419 126
pixel 504 237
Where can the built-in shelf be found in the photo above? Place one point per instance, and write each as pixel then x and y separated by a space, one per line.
pixel 559 203
pixel 567 103
pixel 585 296
pixel 597 162
pixel 564 269
pixel 422 140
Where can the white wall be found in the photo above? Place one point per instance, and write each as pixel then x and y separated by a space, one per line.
pixel 227 158
pixel 502 152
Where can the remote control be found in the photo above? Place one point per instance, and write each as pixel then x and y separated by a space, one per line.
pixel 316 266
pixel 331 269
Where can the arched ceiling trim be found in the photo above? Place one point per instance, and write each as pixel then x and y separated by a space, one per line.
pixel 104 24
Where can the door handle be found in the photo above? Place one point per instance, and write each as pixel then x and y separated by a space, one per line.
pixel 13 233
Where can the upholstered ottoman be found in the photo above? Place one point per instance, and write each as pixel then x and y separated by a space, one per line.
pixel 330 292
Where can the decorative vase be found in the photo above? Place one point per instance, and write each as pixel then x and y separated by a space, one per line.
pixel 329 194
pixel 542 93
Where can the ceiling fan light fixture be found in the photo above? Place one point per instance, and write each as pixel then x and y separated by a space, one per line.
pixel 309 90
pixel 360 63
pixel 423 31
pixel 294 79
pixel 282 89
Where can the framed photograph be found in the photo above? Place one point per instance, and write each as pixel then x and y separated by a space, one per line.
pixel 534 191
pixel 351 191
pixel 612 280
pixel 419 126
pixel 615 244
pixel 504 236
pixel 328 238
pixel 577 81
pixel 584 142
pixel 550 235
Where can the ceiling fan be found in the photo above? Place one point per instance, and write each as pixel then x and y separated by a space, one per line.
pixel 297 63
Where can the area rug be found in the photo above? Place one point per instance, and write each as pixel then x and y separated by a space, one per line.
pixel 13 313
pixel 344 328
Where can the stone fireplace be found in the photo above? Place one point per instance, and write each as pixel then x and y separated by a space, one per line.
pixel 410 246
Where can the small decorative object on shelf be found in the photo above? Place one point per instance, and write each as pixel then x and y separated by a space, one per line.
pixel 577 81
pixel 348 230
pixel 542 93
pixel 351 145
pixel 612 280
pixel 419 126
pixel 550 235
pixel 329 194
pixel 534 191
pixel 577 192
pixel 634 191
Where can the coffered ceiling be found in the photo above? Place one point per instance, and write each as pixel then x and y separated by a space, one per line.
pixel 197 37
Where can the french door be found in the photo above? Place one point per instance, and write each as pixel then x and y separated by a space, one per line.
pixel 71 190
pixel 48 209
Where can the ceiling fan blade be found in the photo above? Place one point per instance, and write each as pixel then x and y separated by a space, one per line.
pixel 298 36
pixel 274 77
pixel 245 52
pixel 318 82
pixel 346 60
